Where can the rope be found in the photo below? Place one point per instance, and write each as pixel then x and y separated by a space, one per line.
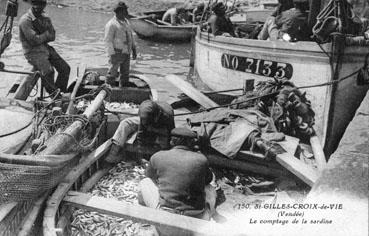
pixel 18 130
pixel 273 93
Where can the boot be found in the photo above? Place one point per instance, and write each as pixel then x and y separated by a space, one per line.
pixel 114 156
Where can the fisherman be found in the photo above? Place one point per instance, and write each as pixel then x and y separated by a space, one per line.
pixel 292 22
pixel 120 44
pixel 154 122
pixel 178 179
pixel 35 32
pixel 175 15
pixel 219 23
pixel 269 29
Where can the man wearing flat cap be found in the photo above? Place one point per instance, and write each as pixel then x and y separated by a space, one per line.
pixel 35 32
pixel 177 179
pixel 120 45
pixel 153 125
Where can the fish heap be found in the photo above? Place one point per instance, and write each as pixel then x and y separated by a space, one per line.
pixel 121 183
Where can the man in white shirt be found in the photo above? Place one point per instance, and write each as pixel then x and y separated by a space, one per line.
pixel 175 16
pixel 120 44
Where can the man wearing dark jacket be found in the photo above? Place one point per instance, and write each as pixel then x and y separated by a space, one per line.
pixel 177 179
pixel 35 32
pixel 153 125
pixel 295 21
pixel 219 23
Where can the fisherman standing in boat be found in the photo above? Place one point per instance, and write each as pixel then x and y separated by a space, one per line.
pixel 120 44
pixel 175 15
pixel 178 179
pixel 35 32
pixel 154 122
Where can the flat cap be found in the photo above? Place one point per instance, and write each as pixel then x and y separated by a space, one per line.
pixel 183 132
pixel 120 5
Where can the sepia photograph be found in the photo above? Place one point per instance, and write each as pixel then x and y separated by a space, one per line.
pixel 184 117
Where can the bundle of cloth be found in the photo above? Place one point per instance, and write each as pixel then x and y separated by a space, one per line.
pixel 255 124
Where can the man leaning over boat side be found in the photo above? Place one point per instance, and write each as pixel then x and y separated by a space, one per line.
pixel 175 15
pixel 120 44
pixel 153 125
pixel 178 180
pixel 35 32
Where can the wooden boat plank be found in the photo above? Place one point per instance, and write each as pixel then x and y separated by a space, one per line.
pixel 173 222
pixel 32 215
pixel 191 92
pixel 56 198
pixel 301 170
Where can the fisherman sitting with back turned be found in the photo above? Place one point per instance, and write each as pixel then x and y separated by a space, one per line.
pixel 35 32
pixel 178 179
pixel 120 44
pixel 154 122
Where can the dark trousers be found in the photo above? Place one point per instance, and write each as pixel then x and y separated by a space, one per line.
pixel 45 63
pixel 119 61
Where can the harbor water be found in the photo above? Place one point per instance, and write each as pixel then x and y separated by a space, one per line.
pixel 79 37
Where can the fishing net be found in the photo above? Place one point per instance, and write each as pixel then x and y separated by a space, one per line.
pixel 26 177
pixel 22 182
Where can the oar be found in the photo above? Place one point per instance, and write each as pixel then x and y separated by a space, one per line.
pixel 191 92
pixel 143 17
pixel 163 22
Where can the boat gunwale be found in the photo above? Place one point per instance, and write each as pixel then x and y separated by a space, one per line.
pixel 55 199
pixel 264 46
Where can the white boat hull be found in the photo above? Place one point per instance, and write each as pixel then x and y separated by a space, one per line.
pixel 226 63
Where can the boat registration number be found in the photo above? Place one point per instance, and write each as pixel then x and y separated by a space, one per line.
pixel 272 69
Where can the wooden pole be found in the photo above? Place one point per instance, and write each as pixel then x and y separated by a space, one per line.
pixel 63 142
pixel 81 73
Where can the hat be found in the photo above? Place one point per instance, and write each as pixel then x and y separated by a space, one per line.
pixel 148 110
pixel 183 132
pixel 40 2
pixel 120 5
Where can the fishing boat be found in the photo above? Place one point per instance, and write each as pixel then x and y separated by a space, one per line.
pixel 74 191
pixel 148 25
pixel 41 168
pixel 224 63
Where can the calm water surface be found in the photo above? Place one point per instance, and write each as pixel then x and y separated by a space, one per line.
pixel 80 38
